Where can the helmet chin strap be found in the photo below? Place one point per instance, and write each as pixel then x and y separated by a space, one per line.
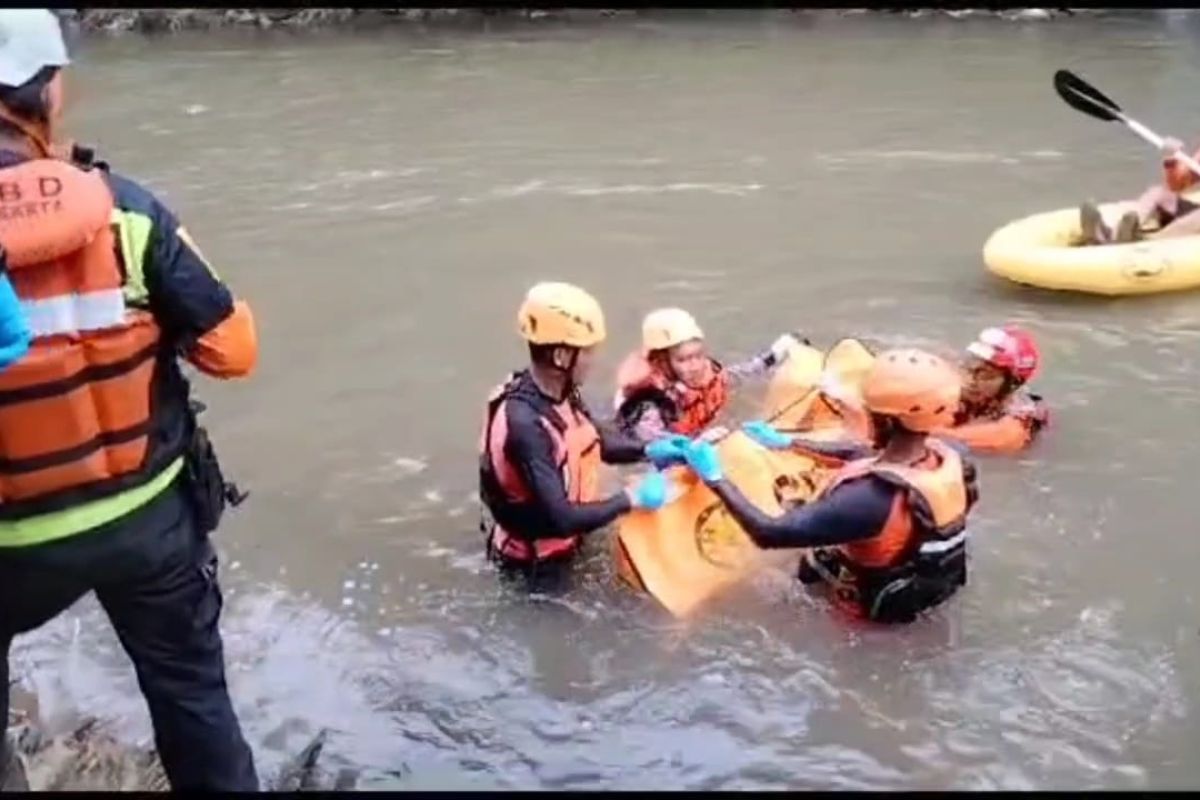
pixel 570 370
pixel 567 372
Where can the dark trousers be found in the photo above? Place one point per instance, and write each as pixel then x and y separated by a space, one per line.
pixel 156 578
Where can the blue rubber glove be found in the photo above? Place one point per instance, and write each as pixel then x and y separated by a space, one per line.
pixel 15 335
pixel 650 492
pixel 765 434
pixel 668 450
pixel 703 459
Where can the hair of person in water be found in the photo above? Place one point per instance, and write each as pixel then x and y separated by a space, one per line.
pixel 543 354
pixel 661 360
pixel 30 101
pixel 885 427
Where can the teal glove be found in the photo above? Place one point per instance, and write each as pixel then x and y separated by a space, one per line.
pixel 667 450
pixel 766 435
pixel 703 459
pixel 15 335
pixel 650 492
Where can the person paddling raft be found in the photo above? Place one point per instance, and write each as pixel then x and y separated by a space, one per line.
pixel 888 532
pixel 672 384
pixel 540 449
pixel 1163 203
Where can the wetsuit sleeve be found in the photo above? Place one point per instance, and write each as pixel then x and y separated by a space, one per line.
pixel 616 447
pixel 844 450
pixel 530 450
pixel 619 448
pixel 854 511
pixel 193 307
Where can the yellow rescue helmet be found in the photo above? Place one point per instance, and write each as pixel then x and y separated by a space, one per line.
pixel 667 327
pixel 918 388
pixel 560 313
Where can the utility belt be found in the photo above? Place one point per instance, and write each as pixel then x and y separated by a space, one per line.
pixel 205 483
pixel 896 594
pixel 509 550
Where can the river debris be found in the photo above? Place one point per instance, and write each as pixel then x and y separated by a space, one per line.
pixel 1010 14
pixel 89 758
pixel 171 20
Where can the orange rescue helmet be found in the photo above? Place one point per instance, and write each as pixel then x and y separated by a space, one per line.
pixel 559 313
pixel 918 388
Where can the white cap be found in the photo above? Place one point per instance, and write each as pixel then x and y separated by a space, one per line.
pixel 30 38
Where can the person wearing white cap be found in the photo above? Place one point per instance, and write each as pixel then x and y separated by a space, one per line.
pixel 107 482
pixel 671 385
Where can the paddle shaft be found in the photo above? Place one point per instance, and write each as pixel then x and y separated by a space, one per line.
pixel 1156 140
pixel 1084 97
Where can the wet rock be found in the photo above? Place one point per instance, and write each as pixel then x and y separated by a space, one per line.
pixel 12 770
pixel 1012 14
pixel 85 759
pixel 89 758
pixel 1026 14
pixel 303 773
pixel 176 19
pixel 169 20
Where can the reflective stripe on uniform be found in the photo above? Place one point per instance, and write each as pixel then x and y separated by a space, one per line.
pixel 133 233
pixel 75 313
pixel 70 521
pixel 935 546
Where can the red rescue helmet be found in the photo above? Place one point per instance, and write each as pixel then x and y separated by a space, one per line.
pixel 1009 348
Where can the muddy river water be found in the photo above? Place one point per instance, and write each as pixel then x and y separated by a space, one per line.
pixel 384 198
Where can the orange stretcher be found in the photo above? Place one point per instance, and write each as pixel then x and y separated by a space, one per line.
pixel 691 550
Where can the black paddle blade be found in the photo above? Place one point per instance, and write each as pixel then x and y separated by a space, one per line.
pixel 1082 96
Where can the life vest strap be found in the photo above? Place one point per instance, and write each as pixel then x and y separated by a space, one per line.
pixel 517 549
pixel 92 373
pixel 936 546
pixel 17 466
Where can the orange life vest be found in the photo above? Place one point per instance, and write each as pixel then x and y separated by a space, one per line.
pixel 577 453
pixel 687 411
pixel 77 412
pixel 919 558
pixel 1006 429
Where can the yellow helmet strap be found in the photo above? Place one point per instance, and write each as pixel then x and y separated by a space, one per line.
pixel 572 359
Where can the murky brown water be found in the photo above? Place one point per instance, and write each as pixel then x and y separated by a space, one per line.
pixel 385 198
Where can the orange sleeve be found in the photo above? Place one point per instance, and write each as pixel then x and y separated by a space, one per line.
pixel 1177 176
pixel 230 350
pixel 1005 436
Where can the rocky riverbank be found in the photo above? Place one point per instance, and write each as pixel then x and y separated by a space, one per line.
pixel 166 20
pixel 89 758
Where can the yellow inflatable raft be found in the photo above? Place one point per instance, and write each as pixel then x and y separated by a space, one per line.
pixel 1044 250
pixel 691 549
